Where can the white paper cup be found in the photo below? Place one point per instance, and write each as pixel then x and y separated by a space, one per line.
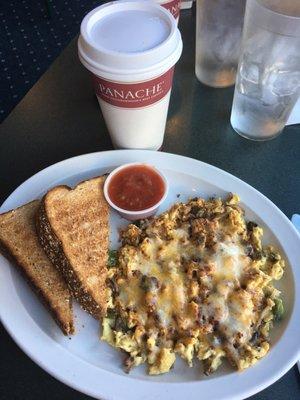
pixel 131 47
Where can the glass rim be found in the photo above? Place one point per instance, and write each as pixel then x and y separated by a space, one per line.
pixel 276 13
pixel 265 18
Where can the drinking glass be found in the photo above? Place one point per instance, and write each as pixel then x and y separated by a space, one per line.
pixel 218 37
pixel 268 79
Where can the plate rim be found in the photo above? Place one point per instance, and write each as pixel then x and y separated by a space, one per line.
pixel 122 388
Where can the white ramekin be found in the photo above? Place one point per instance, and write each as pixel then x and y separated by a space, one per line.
pixel 135 215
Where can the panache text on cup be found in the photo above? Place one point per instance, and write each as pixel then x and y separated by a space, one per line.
pixel 133 95
pixel 130 94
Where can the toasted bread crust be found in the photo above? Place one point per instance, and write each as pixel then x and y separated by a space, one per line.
pixel 65 322
pixel 54 250
pixel 57 251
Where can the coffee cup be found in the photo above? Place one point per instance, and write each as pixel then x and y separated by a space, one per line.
pixel 131 48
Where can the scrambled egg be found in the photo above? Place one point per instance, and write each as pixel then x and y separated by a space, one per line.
pixel 196 282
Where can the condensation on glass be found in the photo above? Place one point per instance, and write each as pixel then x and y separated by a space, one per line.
pixel 218 37
pixel 268 79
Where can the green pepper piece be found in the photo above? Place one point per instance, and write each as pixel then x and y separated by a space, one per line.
pixel 278 309
pixel 112 258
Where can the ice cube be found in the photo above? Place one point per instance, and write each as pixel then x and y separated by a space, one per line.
pixel 268 98
pixel 250 71
pixel 249 77
pixel 282 82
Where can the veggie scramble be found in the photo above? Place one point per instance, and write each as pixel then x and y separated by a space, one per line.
pixel 197 282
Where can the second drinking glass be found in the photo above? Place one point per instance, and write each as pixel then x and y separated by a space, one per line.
pixel 268 81
pixel 218 36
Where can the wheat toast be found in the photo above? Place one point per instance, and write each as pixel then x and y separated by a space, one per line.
pixel 19 243
pixel 72 226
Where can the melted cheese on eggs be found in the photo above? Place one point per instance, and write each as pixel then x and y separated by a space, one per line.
pixel 230 261
pixel 188 290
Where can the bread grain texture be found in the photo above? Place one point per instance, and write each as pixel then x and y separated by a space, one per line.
pixel 72 226
pixel 19 243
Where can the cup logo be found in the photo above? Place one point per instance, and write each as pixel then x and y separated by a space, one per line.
pixel 173 6
pixel 133 95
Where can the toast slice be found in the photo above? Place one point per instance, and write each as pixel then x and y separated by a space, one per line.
pixel 72 226
pixel 19 242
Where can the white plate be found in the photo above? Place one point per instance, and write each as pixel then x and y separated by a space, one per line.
pixel 93 367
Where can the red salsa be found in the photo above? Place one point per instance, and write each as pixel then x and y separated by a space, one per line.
pixel 136 188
